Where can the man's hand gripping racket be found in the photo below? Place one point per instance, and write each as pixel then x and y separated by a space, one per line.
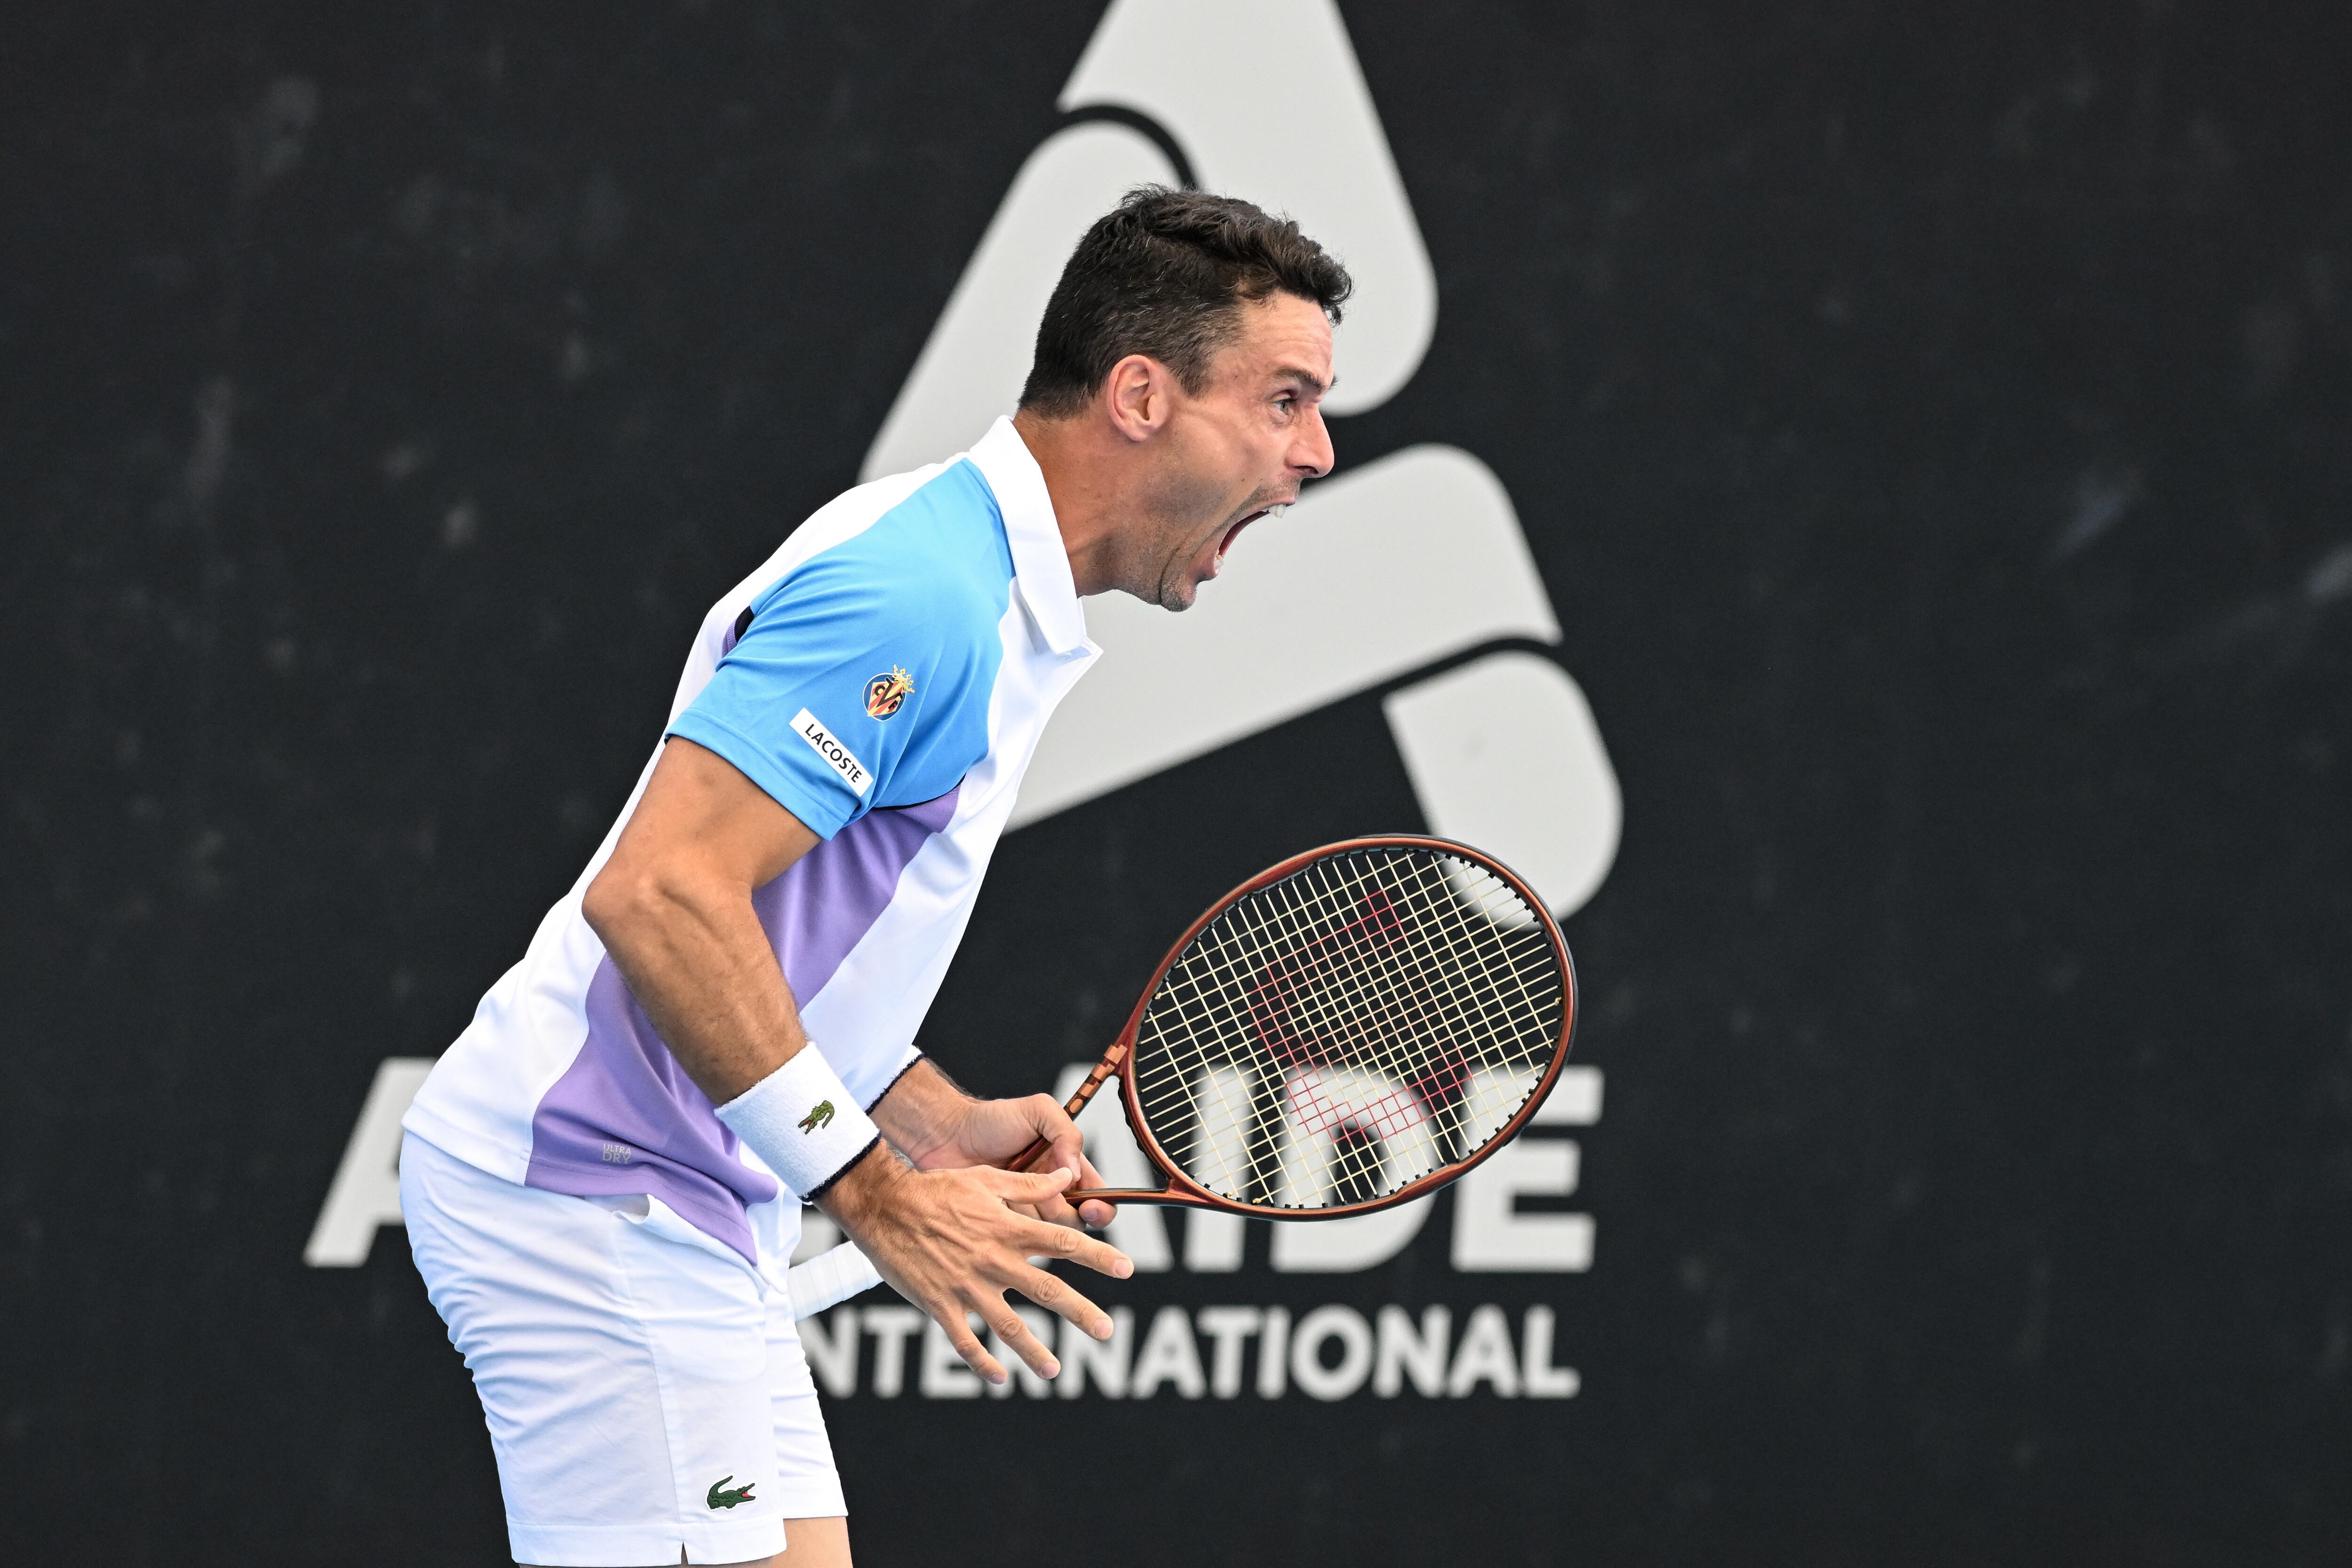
pixel 1345 1031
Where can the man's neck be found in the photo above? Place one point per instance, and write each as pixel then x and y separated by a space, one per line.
pixel 1089 509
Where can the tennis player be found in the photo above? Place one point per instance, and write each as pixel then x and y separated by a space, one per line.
pixel 602 1178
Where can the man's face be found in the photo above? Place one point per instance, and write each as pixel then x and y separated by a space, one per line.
pixel 1243 446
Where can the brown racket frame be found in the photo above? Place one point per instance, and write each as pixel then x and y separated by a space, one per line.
pixel 1181 1190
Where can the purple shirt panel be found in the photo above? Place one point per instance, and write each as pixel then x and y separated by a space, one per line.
pixel 624 1118
pixel 829 898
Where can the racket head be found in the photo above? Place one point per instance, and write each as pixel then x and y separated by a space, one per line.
pixel 1342 990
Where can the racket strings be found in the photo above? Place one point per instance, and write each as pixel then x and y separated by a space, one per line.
pixel 1355 1161
pixel 1389 984
pixel 1318 1019
pixel 1356 1167
pixel 1365 1021
pixel 1450 966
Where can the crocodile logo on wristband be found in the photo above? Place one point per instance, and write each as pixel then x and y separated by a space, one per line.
pixel 803 1121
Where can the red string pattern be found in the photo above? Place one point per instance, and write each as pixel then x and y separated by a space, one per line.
pixel 1371 1018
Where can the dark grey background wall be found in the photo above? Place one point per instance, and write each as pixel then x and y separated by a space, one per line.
pixel 1934 425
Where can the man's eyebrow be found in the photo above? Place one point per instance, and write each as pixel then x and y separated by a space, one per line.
pixel 1292 372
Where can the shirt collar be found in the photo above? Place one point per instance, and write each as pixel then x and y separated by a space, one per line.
pixel 1040 563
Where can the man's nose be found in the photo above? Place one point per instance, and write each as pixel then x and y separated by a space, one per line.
pixel 1312 456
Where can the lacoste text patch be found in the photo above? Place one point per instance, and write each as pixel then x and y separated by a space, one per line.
pixel 836 756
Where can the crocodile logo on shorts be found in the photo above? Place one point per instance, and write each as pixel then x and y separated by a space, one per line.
pixel 819 1114
pixel 731 1496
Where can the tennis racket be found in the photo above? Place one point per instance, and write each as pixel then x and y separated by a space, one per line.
pixel 1343 1032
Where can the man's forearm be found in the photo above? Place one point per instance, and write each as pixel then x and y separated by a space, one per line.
pixel 695 959
pixel 673 908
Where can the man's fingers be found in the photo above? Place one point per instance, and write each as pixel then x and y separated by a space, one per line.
pixel 1087 1214
pixel 1047 1193
pixel 1053 1208
pixel 1054 1295
pixel 1057 1211
pixel 1064 1145
pixel 1040 1324
pixel 1094 1214
pixel 1021 1187
pixel 1015 1334
pixel 967 1344
pixel 968 1240
pixel 1037 1239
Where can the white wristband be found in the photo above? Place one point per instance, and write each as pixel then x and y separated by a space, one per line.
pixel 803 1121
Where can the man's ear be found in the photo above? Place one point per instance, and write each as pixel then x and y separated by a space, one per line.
pixel 1139 395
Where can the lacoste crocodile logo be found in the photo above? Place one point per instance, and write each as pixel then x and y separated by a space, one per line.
pixel 819 1114
pixel 730 1496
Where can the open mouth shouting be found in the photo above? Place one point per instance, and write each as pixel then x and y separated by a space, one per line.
pixel 1217 561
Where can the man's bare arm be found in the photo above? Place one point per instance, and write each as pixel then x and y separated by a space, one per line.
pixel 673 908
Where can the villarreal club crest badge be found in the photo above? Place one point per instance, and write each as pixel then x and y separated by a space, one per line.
pixel 884 693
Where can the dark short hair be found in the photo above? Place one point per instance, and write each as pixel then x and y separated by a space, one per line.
pixel 1165 273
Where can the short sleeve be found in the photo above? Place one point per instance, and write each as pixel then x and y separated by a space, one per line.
pixel 845 692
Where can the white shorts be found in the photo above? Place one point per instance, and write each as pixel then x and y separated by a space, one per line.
pixel 647 1399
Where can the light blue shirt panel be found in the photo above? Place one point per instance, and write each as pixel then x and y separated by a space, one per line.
pixel 923 589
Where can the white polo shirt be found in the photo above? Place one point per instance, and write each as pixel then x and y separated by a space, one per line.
pixel 885 677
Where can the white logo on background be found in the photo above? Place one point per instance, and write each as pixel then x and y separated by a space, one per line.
pixel 1387 569
pixel 365 1193
pixel 1489 1235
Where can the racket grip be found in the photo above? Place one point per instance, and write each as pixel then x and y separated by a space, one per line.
pixel 1077 1103
pixel 829 1279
